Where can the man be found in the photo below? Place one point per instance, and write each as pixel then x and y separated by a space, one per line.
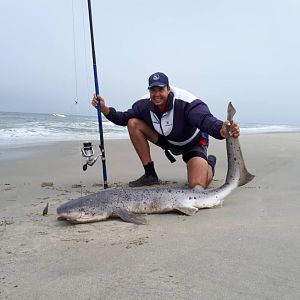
pixel 176 121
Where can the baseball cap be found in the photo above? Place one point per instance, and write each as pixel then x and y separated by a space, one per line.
pixel 158 79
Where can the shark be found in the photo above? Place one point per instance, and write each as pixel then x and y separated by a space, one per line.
pixel 132 205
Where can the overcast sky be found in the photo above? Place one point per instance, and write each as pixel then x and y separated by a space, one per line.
pixel 220 50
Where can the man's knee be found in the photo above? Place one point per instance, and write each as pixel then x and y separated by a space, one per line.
pixel 199 179
pixel 134 123
pixel 137 126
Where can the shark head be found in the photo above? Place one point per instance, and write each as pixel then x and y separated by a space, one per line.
pixel 81 211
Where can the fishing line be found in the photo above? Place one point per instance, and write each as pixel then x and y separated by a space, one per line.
pixel 74 52
pixel 76 94
pixel 84 25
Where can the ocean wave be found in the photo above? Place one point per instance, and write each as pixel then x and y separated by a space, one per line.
pixel 59 115
pixel 263 128
pixel 24 128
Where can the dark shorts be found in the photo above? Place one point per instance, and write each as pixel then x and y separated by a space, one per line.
pixel 196 151
pixel 187 154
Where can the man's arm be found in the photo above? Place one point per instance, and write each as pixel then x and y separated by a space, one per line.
pixel 117 117
pixel 200 116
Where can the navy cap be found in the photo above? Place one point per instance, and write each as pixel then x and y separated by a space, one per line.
pixel 158 79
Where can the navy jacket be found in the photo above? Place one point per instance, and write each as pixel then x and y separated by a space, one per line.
pixel 186 122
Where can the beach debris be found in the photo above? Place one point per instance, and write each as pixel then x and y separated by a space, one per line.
pixel 47 184
pixel 75 186
pixel 42 232
pixel 77 240
pixel 45 211
pixel 132 204
pixel 138 242
pixel 43 198
pixel 8 187
pixel 6 222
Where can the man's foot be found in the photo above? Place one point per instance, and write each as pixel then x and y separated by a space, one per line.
pixel 144 180
pixel 211 160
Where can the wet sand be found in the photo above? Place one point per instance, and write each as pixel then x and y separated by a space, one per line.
pixel 247 249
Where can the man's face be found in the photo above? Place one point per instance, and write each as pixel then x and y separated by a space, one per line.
pixel 159 95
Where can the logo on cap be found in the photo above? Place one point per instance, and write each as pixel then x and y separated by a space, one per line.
pixel 155 76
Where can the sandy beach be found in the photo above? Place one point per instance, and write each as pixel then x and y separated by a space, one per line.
pixel 247 249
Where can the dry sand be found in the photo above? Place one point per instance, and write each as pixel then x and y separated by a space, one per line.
pixel 248 249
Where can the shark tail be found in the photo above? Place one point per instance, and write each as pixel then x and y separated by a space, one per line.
pixel 237 157
pixel 245 176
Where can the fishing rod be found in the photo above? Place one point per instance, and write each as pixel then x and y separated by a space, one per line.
pixel 87 151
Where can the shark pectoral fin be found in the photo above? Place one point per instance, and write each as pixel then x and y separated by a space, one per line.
pixel 189 211
pixel 127 216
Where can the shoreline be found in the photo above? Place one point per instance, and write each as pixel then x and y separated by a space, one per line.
pixel 246 249
pixel 19 151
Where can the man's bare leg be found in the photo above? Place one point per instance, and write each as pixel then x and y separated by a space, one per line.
pixel 140 133
pixel 199 172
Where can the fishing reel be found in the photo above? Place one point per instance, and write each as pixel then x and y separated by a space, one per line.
pixel 88 152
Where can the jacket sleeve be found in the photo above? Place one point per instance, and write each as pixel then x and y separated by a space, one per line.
pixel 199 115
pixel 121 118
